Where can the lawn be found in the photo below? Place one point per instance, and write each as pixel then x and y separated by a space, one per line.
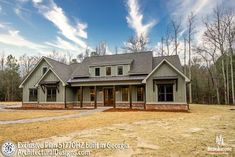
pixel 147 133
pixel 29 114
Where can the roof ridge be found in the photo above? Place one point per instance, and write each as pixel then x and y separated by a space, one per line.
pixel 121 54
pixel 55 60
pixel 166 56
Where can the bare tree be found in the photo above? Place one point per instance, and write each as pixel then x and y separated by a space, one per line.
pixel 69 57
pixel 101 49
pixel 208 52
pixel 176 28
pixel 168 41
pixel 2 60
pixel 162 46
pixel 185 49
pixel 230 37
pixel 191 31
pixel 27 63
pixel 84 55
pixel 136 44
pixel 215 34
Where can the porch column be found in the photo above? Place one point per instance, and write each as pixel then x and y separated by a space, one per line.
pixel 144 94
pixel 81 96
pixel 114 96
pixel 95 90
pixel 130 95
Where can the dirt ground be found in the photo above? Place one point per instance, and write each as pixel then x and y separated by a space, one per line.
pixel 29 114
pixel 10 103
pixel 146 133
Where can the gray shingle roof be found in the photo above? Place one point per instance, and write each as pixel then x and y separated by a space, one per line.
pixel 141 64
pixel 112 62
pixel 64 71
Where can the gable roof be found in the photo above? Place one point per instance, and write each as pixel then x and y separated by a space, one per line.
pixel 44 75
pixel 138 61
pixel 169 63
pixel 61 70
pixel 174 60
pixel 141 64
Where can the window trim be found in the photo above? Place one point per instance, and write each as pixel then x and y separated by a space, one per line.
pixel 35 89
pixel 118 70
pixel 51 95
pixel 165 93
pixel 110 70
pixel 95 71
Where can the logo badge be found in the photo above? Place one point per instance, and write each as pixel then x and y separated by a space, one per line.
pixel 8 148
pixel 219 140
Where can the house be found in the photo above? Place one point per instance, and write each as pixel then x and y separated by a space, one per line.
pixel 132 80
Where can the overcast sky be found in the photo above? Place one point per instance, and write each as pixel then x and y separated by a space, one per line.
pixel 40 26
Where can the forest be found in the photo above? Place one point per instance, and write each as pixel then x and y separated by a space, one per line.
pixel 209 64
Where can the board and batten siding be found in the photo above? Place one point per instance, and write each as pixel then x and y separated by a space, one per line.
pixel 50 76
pixel 166 70
pixel 71 95
pixel 114 70
pixel 33 79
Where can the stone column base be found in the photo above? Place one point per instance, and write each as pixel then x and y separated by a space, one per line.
pixel 168 107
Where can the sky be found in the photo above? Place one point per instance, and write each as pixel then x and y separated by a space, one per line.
pixel 37 27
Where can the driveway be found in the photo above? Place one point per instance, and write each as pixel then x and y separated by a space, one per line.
pixel 82 113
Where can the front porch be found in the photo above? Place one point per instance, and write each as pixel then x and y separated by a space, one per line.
pixel 116 96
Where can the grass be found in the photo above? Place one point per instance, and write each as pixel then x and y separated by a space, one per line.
pixel 28 114
pixel 147 133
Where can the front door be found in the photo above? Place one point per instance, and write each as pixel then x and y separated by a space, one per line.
pixel 108 97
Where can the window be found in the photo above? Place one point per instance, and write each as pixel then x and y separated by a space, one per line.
pixel 125 94
pixel 165 92
pixel 44 70
pixel 51 94
pixel 33 94
pixel 97 71
pixel 92 94
pixel 140 93
pixel 120 70
pixel 108 71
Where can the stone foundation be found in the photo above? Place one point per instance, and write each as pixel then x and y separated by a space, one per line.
pixel 44 105
pixel 127 105
pixel 122 105
pixel 161 107
pixel 138 106
pixel 91 105
pixel 168 107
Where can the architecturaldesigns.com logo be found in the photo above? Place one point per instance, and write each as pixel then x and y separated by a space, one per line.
pixel 221 147
pixel 8 148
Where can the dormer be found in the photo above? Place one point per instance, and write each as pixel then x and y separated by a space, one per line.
pixel 110 68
